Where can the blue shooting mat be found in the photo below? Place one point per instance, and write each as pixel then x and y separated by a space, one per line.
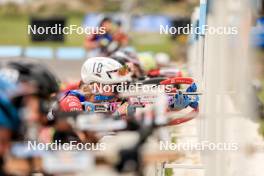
pixel 70 53
pixel 39 52
pixel 10 51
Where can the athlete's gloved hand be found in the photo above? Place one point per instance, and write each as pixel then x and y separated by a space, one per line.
pixel 194 99
pixel 182 101
pixel 192 88
pixel 88 106
pixel 125 110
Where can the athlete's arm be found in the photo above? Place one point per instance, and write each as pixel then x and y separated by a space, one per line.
pixel 70 103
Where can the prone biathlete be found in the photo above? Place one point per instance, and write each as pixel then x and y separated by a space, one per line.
pixel 100 76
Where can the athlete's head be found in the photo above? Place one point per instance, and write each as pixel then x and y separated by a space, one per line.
pixel 36 85
pixel 130 59
pixel 106 23
pixel 100 75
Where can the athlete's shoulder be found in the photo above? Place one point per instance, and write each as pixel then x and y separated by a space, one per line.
pixel 71 103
